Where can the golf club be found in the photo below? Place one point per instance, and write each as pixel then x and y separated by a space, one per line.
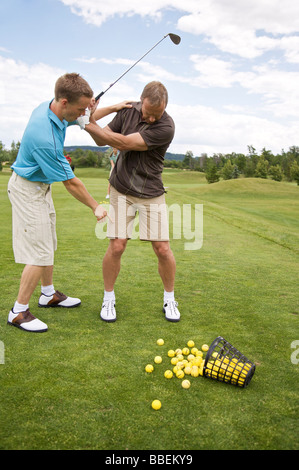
pixel 174 38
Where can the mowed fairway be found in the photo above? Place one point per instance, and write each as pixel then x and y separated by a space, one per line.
pixel 82 385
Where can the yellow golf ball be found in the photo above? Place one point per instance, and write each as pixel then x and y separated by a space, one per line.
pixel 205 347
pixel 180 374
pixel 195 371
pixel 190 343
pixel 149 368
pixel 186 384
pixel 158 359
pixel 168 374
pixel 156 404
pixel 160 342
pixel 185 351
pixel 171 353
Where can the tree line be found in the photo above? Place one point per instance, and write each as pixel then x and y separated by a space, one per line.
pixel 279 167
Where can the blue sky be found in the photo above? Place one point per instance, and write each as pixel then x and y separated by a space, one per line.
pixel 232 81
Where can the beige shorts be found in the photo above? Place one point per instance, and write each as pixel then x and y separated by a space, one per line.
pixel 33 221
pixel 152 214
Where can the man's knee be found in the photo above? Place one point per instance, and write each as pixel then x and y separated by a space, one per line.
pixel 117 246
pixel 162 249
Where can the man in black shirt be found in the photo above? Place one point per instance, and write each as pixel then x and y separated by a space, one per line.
pixel 142 133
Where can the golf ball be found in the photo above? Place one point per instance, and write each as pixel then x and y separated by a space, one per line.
pixel 180 374
pixel 168 374
pixel 186 384
pixel 158 359
pixel 160 342
pixel 149 368
pixel 156 404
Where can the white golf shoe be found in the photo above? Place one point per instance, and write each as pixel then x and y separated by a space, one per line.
pixel 108 312
pixel 26 321
pixel 58 300
pixel 171 311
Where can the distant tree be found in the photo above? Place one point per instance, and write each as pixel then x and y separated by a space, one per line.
pixel 251 150
pixel 236 172
pixel 188 161
pixel 261 170
pixel 294 171
pixel 249 168
pixel 212 174
pixel 14 151
pixel 227 170
pixel 275 173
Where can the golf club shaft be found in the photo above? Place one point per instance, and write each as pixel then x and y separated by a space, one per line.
pixel 101 94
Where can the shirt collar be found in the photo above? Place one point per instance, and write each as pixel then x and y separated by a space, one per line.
pixel 61 124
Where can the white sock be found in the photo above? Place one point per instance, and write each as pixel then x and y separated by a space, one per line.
pixel 168 296
pixel 19 307
pixel 109 295
pixel 48 290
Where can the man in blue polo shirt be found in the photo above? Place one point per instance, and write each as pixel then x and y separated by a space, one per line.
pixel 39 163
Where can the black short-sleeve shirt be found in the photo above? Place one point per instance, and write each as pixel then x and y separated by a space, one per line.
pixel 139 173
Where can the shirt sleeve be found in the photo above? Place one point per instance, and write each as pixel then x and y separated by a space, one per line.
pixel 54 167
pixel 116 124
pixel 157 135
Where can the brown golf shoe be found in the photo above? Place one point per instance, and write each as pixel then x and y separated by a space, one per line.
pixel 58 299
pixel 26 321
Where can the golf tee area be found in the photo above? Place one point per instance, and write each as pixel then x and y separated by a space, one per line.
pixel 82 385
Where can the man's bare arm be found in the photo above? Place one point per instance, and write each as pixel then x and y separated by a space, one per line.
pixel 122 142
pixel 102 112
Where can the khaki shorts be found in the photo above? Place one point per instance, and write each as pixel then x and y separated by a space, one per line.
pixel 153 217
pixel 33 221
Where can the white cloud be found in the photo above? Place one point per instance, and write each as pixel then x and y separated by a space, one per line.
pixel 205 130
pixel 22 88
pixel 245 28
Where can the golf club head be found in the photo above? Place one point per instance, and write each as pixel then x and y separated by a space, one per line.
pixel 175 38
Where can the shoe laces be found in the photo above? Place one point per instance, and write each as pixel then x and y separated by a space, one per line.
pixel 172 304
pixel 109 305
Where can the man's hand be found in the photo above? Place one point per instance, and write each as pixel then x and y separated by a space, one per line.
pixel 82 121
pixel 122 105
pixel 102 112
pixel 93 105
pixel 100 213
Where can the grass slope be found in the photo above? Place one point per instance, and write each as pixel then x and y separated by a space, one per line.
pixel 82 385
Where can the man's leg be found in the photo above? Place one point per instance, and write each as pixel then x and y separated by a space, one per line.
pixel 112 261
pixel 166 264
pixel 30 278
pixel 167 269
pixel 111 268
pixel 47 276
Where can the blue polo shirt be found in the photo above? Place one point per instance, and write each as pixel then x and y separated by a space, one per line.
pixel 40 157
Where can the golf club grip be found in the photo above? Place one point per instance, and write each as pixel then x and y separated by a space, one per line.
pixel 99 96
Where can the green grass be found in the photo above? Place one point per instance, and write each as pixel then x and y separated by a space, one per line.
pixel 82 385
